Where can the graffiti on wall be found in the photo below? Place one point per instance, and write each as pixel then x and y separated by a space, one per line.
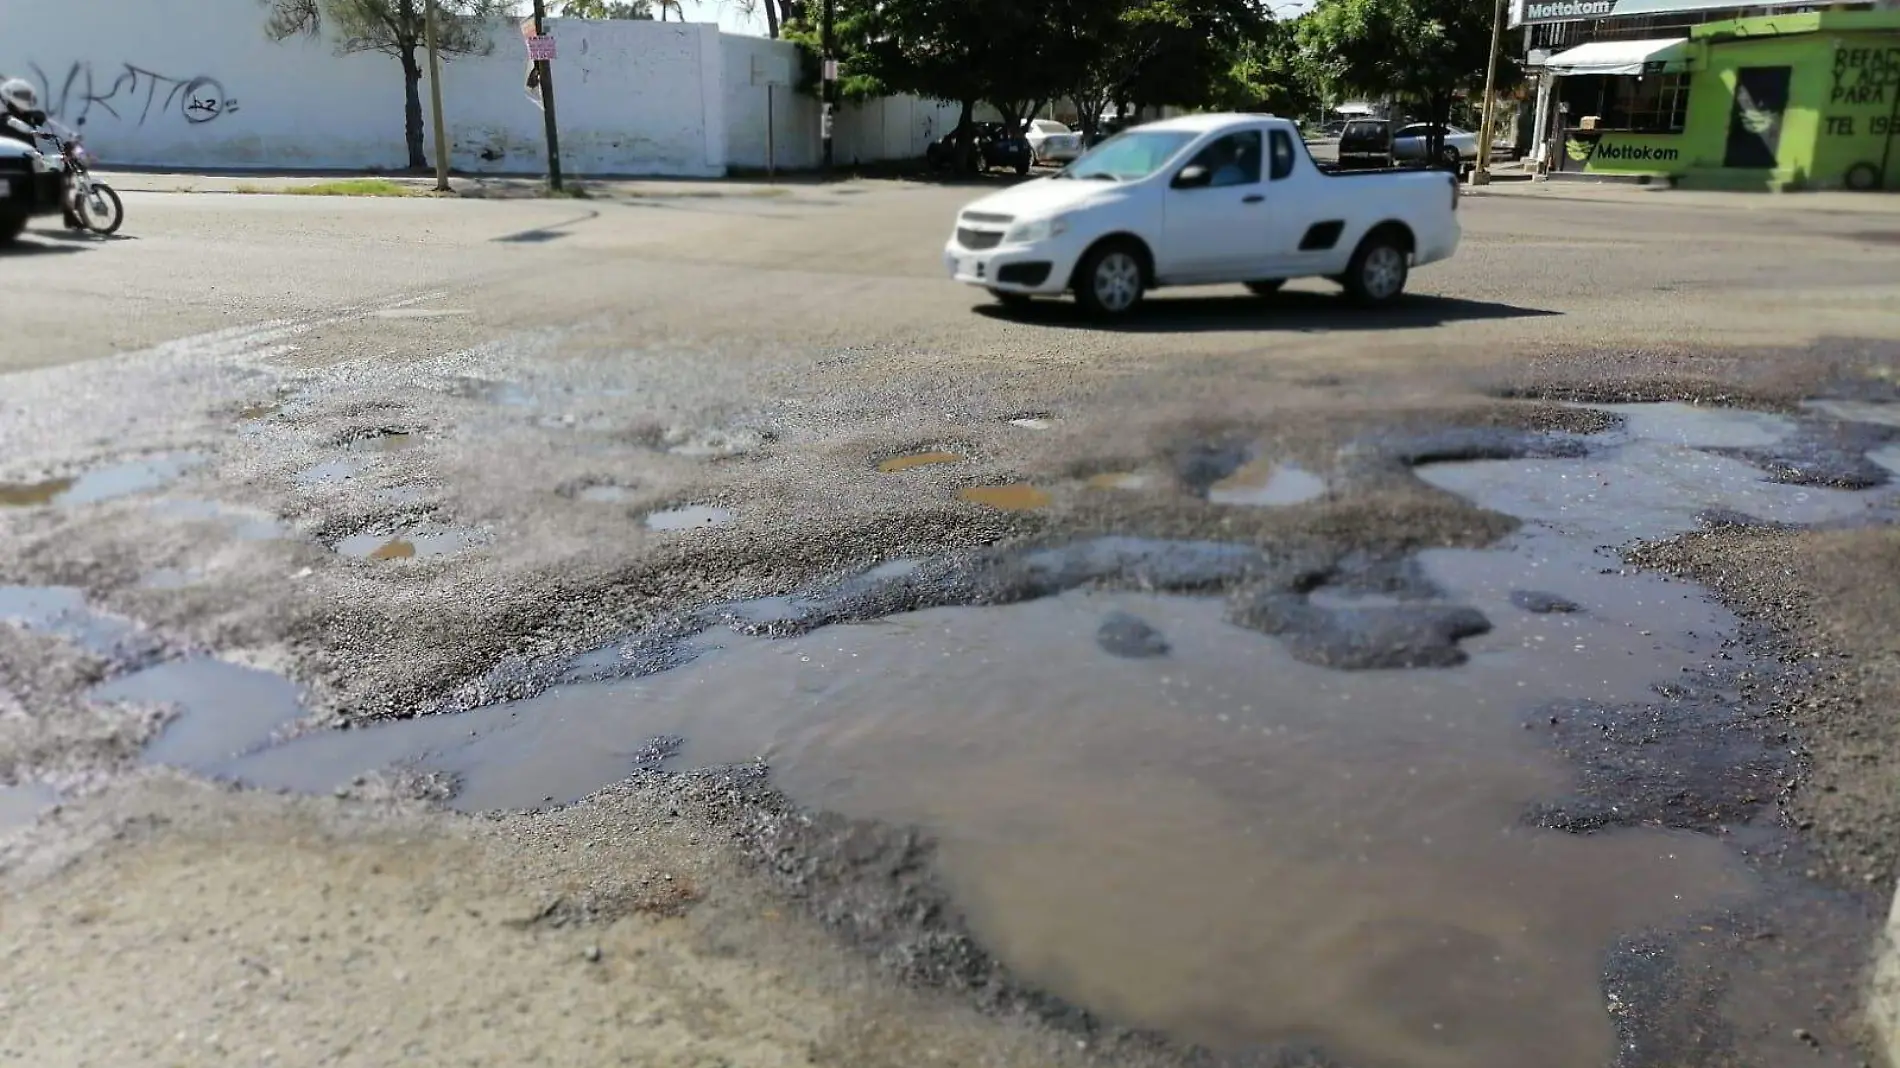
pixel 1865 80
pixel 132 94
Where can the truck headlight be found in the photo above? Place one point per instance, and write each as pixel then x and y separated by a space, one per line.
pixel 1037 230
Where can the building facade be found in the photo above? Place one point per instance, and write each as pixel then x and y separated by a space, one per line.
pixel 1787 100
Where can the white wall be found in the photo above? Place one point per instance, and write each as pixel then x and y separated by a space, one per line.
pixel 196 84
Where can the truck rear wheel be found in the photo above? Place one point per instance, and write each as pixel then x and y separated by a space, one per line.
pixel 1378 270
pixel 11 227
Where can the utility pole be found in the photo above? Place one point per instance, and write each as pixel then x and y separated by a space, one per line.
pixel 830 43
pixel 544 75
pixel 435 102
pixel 1482 175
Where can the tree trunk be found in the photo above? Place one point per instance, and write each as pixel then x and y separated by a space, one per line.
pixel 966 137
pixel 1440 117
pixel 412 108
pixel 771 19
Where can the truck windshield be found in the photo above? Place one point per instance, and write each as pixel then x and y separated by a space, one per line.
pixel 1128 156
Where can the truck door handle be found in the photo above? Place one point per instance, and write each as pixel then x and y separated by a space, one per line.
pixel 1252 199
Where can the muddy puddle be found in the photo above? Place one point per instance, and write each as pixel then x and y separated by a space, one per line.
pixel 899 464
pixel 1267 483
pixel 246 526
pixel 21 805
pixel 1017 497
pixel 62 611
pixel 418 544
pixel 220 709
pixel 690 517
pixel 1270 849
pixel 102 483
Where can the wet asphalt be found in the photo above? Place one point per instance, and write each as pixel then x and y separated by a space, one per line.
pixel 424 456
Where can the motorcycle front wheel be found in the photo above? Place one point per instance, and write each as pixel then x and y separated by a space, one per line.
pixel 101 210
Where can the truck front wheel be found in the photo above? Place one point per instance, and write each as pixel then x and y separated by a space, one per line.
pixel 1378 269
pixel 11 227
pixel 1111 279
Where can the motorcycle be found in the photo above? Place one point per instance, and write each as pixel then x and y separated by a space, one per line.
pixel 94 203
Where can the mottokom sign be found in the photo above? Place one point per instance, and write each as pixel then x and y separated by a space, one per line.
pixel 1533 12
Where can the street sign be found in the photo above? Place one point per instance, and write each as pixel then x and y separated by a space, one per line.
pixel 541 48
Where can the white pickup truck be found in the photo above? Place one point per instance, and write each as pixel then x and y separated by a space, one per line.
pixel 1203 200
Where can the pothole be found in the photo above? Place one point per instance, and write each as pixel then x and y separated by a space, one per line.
pixel 21 806
pixel 389 440
pixel 329 472
pixel 32 494
pixel 221 710
pixel 714 444
pixel 1267 483
pixel 103 483
pixel 246 526
pixel 605 494
pixel 689 517
pixel 899 464
pixel 417 544
pixel 1130 481
pixel 1016 497
pixel 63 611
pixel 1271 846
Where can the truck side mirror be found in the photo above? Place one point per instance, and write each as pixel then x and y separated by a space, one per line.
pixel 1193 176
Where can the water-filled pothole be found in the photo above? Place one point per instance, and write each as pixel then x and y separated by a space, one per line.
pixel 329 472
pixel 1120 480
pixel 21 806
pixel 1016 497
pixel 389 440
pixel 1267 483
pixel 222 710
pixel 689 517
pixel 419 544
pixel 1269 847
pixel 900 464
pixel 246 526
pixel 63 611
pixel 102 483
pixel 607 493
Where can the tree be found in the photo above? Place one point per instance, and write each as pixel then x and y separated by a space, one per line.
pixel 395 28
pixel 1422 52
pixel 607 9
pixel 1271 73
pixel 1154 52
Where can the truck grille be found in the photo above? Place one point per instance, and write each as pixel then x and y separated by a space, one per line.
pixel 16 165
pixel 978 240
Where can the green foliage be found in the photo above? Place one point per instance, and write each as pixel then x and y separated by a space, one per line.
pixel 392 27
pixel 1417 51
pixel 606 9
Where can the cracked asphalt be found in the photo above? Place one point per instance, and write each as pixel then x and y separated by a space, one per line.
pixel 422 455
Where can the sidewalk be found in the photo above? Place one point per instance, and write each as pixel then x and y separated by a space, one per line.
pixel 470 186
pixel 1506 183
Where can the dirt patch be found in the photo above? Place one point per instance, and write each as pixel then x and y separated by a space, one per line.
pixel 1836 626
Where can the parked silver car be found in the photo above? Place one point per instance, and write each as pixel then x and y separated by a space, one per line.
pixel 1052 142
pixel 1409 144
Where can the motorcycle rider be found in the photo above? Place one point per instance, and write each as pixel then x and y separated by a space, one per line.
pixel 22 119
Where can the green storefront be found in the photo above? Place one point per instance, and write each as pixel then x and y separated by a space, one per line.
pixel 1797 101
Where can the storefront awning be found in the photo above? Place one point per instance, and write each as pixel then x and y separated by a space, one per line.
pixel 1622 57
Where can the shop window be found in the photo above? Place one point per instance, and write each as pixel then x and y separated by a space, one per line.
pixel 1658 103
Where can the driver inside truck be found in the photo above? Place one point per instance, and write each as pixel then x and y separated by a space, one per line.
pixel 22 119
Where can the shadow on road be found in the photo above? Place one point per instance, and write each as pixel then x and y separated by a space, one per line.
pixel 550 232
pixel 1313 312
pixel 32 244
